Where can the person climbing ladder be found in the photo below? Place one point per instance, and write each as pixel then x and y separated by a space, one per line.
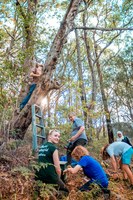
pixel 34 77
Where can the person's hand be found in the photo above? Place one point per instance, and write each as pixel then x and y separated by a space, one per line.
pixel 115 175
pixel 67 170
pixel 72 138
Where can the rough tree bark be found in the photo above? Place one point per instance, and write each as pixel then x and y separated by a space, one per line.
pixel 80 76
pixel 20 125
pixel 91 105
pixel 104 99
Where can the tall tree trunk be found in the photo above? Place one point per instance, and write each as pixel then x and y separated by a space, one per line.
pixel 56 107
pixel 29 19
pixel 91 105
pixel 81 81
pixel 20 125
pixel 107 113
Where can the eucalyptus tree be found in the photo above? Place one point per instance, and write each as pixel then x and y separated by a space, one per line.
pixel 122 82
pixel 46 84
pixel 80 77
pixel 38 42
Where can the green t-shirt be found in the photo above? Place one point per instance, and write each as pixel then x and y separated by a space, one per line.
pixel 47 173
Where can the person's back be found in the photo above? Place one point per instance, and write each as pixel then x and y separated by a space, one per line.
pixel 77 136
pixel 126 139
pixel 36 73
pixel 93 170
pixel 47 173
pixel 117 148
pixel 125 151
pixel 48 158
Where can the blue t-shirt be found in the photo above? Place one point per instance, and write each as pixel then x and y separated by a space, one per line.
pixel 93 170
pixel 76 126
pixel 118 148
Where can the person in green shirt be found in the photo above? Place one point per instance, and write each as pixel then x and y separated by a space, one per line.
pixel 48 154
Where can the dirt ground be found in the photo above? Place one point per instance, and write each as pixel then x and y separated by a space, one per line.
pixel 17 181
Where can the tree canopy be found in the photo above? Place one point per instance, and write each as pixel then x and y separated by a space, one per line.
pixel 86 51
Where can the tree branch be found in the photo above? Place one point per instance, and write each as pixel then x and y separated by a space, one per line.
pixel 104 29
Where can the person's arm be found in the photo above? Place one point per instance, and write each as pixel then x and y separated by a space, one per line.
pixel 32 74
pixel 128 141
pixel 57 162
pixel 114 164
pixel 36 72
pixel 73 170
pixel 115 173
pixel 80 131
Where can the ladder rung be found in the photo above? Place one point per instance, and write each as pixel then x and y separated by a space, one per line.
pixel 40 136
pixel 37 122
pixel 37 106
pixel 38 115
pixel 40 126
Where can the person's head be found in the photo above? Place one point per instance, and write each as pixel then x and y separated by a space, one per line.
pixel 78 152
pixel 38 65
pixel 104 153
pixel 54 136
pixel 119 134
pixel 71 116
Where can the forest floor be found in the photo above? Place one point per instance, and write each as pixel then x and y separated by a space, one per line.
pixel 17 179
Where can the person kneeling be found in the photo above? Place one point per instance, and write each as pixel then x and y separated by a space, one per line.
pixel 48 156
pixel 91 168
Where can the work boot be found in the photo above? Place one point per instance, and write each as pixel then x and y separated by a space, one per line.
pixel 106 194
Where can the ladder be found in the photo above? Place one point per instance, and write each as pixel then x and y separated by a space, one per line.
pixel 38 129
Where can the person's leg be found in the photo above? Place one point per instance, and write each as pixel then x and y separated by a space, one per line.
pixel 127 170
pixel 89 185
pixel 62 185
pixel 106 193
pixel 32 88
pixel 124 173
pixel 126 160
pixel 26 99
pixel 80 141
pixel 70 148
pixel 86 186
pixel 69 151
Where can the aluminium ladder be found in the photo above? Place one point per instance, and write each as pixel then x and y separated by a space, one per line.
pixel 38 129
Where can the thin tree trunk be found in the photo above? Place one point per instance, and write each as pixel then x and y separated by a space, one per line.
pixel 93 76
pixel 107 113
pixel 81 81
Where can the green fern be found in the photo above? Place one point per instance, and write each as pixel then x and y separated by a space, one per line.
pixel 24 171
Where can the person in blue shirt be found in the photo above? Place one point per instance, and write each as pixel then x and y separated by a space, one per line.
pixel 91 168
pixel 77 136
pixel 125 151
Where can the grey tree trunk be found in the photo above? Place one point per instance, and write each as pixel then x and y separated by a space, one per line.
pixel 81 81
pixel 104 99
pixel 90 106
